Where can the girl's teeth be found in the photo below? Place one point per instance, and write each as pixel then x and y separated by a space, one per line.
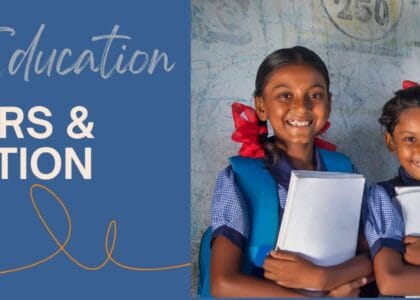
pixel 298 123
pixel 416 163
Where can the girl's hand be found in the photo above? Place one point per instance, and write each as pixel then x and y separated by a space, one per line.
pixel 412 250
pixel 292 271
pixel 349 289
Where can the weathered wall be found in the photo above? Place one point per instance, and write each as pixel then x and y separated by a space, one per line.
pixel 369 49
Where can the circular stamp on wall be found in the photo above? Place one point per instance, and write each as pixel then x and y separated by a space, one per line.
pixel 366 20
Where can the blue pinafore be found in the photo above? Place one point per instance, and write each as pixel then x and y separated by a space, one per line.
pixel 259 190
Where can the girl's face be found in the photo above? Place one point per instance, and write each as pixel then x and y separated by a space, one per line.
pixel 296 101
pixel 405 141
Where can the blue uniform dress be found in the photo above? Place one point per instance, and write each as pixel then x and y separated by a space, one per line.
pixel 229 213
pixel 384 226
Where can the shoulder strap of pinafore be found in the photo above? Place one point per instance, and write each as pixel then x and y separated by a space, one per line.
pixel 336 161
pixel 259 190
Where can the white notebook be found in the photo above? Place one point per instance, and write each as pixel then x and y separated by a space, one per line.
pixel 321 216
pixel 409 200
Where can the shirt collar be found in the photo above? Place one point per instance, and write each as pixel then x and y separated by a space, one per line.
pixel 407 179
pixel 282 170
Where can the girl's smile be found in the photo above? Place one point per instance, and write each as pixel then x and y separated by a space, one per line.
pixel 298 123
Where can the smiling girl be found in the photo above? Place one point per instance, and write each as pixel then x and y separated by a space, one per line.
pixel 292 93
pixel 396 257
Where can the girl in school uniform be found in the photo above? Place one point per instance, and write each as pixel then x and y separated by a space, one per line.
pixel 292 93
pixel 396 257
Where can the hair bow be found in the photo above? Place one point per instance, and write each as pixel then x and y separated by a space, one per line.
pixel 248 130
pixel 321 142
pixel 408 84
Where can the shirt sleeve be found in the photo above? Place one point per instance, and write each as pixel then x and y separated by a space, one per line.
pixel 229 215
pixel 384 226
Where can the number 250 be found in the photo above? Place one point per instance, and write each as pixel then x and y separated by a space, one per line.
pixel 362 11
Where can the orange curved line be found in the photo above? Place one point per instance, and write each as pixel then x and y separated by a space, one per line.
pixel 112 227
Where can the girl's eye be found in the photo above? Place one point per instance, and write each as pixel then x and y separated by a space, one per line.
pixel 410 139
pixel 315 96
pixel 284 96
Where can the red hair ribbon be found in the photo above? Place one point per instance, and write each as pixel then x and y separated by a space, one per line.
pixel 408 84
pixel 247 132
pixel 322 142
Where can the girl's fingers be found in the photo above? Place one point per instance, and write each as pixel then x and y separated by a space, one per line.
pixel 280 254
pixel 355 284
pixel 355 293
pixel 274 265
pixel 410 239
pixel 349 289
pixel 370 278
pixel 270 264
pixel 268 275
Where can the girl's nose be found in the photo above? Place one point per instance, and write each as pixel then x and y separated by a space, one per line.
pixel 302 103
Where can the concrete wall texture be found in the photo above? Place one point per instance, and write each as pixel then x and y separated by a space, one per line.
pixel 368 46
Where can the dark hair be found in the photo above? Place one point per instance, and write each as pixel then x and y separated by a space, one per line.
pixel 403 99
pixel 273 62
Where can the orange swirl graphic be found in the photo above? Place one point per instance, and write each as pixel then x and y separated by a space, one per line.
pixel 109 249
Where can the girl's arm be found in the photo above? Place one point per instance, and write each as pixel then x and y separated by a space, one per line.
pixel 359 266
pixel 393 276
pixel 293 271
pixel 227 280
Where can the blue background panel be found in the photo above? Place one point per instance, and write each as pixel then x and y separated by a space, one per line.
pixel 140 153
